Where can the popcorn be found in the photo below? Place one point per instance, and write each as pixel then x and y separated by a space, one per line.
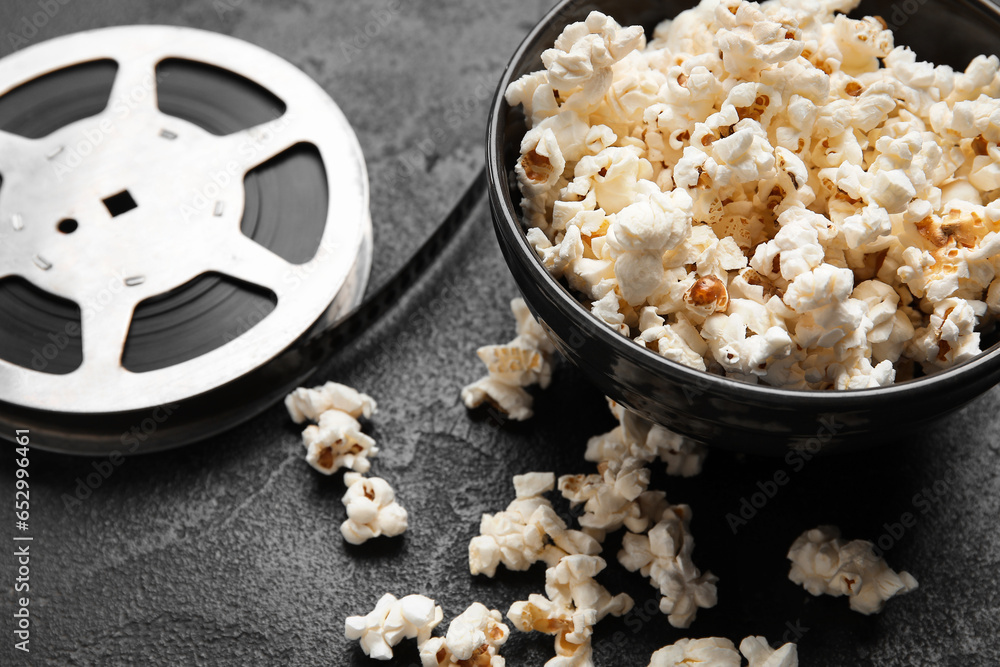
pixel 822 562
pixel 392 620
pixel 609 497
pixel 760 654
pixel 866 226
pixel 523 362
pixel 639 235
pixel 512 401
pixel 516 364
pixel 372 509
pixel 580 63
pixel 993 297
pixel 892 190
pixel 528 531
pixel 664 555
pixel 337 442
pixel 683 456
pixel 714 651
pixel 309 404
pixel 949 337
pixel 474 638
pixel 643 440
pixel 780 153
pixel 573 603
pixel 720 651
pixel 616 496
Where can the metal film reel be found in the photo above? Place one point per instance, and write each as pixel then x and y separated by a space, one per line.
pixel 181 212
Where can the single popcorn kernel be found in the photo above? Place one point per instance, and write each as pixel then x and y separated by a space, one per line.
pixel 523 362
pixel 372 510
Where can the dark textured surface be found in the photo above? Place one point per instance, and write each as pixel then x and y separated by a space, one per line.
pixel 229 552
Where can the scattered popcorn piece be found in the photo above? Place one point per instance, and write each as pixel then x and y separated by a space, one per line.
pixel 664 555
pixel 822 562
pixel 528 531
pixel 683 456
pixel 760 653
pixel 647 441
pixel 511 400
pixel 609 497
pixel 309 404
pixel 392 620
pixel 573 603
pixel 720 193
pixel 714 651
pixel 720 652
pixel 337 442
pixel 372 509
pixel 581 60
pixel 474 639
pixel 523 362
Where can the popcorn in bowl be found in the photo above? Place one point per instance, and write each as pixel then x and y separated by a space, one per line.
pixel 775 193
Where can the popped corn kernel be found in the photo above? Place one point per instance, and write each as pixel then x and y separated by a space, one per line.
pixel 823 562
pixel 720 651
pixel 309 404
pixel 523 362
pixel 664 555
pixel 336 442
pixel 526 532
pixel 392 620
pixel 760 654
pixel 573 603
pixel 372 510
pixel 473 640
pixel 715 651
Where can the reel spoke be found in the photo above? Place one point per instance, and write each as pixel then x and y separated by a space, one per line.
pixel 256 145
pixel 246 260
pixel 135 85
pixel 104 335
pixel 15 151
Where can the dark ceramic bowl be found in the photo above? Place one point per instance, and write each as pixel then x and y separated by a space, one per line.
pixel 710 408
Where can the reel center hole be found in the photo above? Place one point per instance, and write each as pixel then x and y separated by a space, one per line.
pixel 68 226
pixel 120 203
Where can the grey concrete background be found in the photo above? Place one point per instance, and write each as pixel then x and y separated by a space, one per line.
pixel 228 552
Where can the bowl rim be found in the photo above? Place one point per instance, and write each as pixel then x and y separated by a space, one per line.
pixel 507 221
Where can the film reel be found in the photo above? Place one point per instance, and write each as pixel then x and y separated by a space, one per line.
pixel 181 214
